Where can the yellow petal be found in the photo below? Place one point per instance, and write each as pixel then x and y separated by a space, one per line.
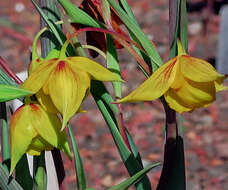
pixel 197 70
pixel 38 77
pixel 67 90
pixel 219 86
pixel 34 64
pixel 21 134
pixel 46 102
pixel 175 102
pixel 155 86
pixel 179 78
pixel 33 152
pixel 196 94
pixel 48 127
pixel 38 144
pixel 97 71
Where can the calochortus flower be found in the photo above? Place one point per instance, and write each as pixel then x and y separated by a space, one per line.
pixel 186 82
pixel 67 80
pixel 33 130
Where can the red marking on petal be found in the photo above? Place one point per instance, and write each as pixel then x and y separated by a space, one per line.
pixel 169 70
pixel 185 56
pixel 38 60
pixel 34 107
pixel 61 65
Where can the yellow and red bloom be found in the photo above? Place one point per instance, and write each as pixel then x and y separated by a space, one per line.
pixel 33 130
pixel 66 80
pixel 186 82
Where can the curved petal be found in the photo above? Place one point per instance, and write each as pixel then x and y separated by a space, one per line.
pixel 175 102
pixel 38 77
pixel 21 133
pixel 196 94
pixel 50 134
pixel 47 126
pixel 37 145
pixel 156 85
pixel 97 71
pixel 67 90
pixel 179 79
pixel 197 70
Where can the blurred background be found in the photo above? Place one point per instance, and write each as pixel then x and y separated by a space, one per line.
pixel 205 131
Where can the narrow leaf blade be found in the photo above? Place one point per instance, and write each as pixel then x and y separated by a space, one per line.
pixel 5 79
pixel 113 65
pixel 135 29
pixel 77 15
pixel 80 173
pixel 139 175
pixel 7 182
pixel 11 92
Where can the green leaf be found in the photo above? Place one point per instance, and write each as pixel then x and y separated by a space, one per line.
pixel 23 176
pixel 184 25
pixel 80 173
pixel 11 92
pixel 113 65
pixel 128 10
pixel 5 136
pixel 39 172
pixel 142 38
pixel 7 182
pixel 77 15
pixel 178 25
pixel 49 22
pixel 59 35
pixel 134 148
pixel 48 40
pixel 139 175
pixel 6 79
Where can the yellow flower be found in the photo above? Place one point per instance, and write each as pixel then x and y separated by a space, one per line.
pixel 66 80
pixel 186 82
pixel 33 130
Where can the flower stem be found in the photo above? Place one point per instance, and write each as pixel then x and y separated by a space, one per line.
pixel 171 123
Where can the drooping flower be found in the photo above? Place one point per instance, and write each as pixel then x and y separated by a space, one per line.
pixel 186 82
pixel 33 130
pixel 67 80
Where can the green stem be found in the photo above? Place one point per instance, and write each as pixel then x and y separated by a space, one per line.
pixel 5 137
pixel 39 172
pixel 36 38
